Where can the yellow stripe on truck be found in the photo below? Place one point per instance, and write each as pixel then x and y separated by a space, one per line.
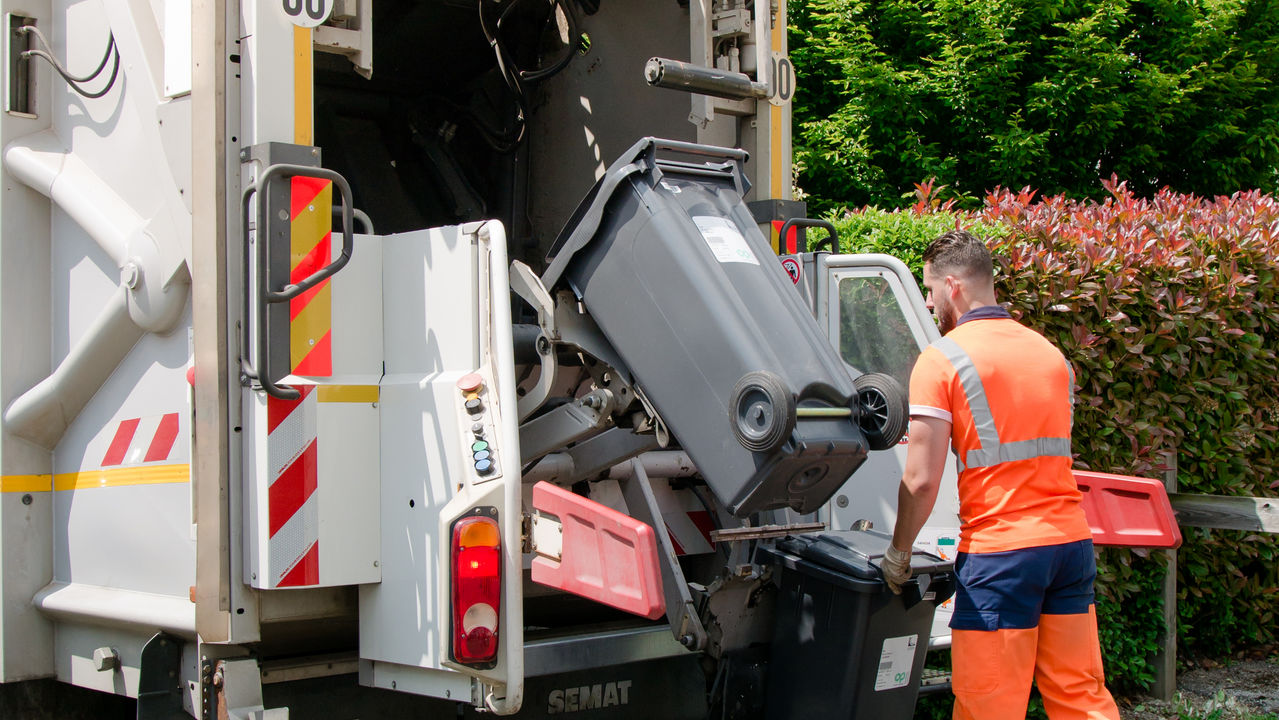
pixel 348 393
pixel 303 134
pixel 85 479
pixel 311 325
pixel 311 226
pixel 122 477
pixel 26 483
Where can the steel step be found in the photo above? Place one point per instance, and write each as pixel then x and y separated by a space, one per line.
pixel 934 680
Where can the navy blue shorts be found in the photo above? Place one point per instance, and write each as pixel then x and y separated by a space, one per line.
pixel 1010 590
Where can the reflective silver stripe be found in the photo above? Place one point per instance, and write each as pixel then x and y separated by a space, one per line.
pixel 991 450
pixel 983 418
pixel 1020 450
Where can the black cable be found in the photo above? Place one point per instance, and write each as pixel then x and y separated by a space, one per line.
pixel 513 76
pixel 33 30
pixel 111 52
pixel 512 80
pixel 574 36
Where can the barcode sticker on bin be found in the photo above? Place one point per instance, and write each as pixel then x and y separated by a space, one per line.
pixel 896 661
pixel 724 240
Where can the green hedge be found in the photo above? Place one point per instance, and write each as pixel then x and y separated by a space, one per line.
pixel 1169 310
pixel 1052 93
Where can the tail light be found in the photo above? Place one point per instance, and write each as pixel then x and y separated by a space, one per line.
pixel 477 587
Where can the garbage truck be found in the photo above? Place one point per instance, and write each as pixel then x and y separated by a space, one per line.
pixel 391 358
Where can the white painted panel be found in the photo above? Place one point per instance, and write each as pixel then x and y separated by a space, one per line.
pixel 430 302
pixel 132 537
pixel 349 491
pixel 357 308
pixel 177 47
pixel 256 461
pixel 266 64
pixel 435 683
pixel 431 339
pixel 74 648
pixel 401 620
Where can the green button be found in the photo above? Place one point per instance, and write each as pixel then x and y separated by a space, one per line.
pixel 479 445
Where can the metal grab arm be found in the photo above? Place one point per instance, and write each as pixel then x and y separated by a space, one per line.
pixel 261 370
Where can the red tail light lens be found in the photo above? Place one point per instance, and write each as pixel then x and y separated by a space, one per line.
pixel 477 588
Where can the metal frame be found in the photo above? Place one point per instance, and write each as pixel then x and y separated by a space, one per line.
pixel 210 454
pixel 599 649
pixel 681 611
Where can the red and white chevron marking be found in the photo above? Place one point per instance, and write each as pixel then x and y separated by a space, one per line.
pixel 293 545
pixel 690 531
pixel 142 440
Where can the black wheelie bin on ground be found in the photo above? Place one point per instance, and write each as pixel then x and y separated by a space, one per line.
pixel 668 262
pixel 844 646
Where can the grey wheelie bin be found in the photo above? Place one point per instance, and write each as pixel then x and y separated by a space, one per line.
pixel 666 259
pixel 844 646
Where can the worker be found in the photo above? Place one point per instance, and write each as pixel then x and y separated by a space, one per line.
pixel 1001 396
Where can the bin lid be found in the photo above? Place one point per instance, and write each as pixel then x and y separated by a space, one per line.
pixel 857 553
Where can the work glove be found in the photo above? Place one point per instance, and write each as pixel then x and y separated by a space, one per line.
pixel 896 568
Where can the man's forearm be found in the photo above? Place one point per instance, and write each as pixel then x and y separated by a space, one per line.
pixel 913 508
pixel 925 462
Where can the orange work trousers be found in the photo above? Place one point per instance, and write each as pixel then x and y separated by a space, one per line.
pixel 993 671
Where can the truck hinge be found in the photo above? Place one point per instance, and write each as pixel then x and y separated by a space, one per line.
pixel 160 679
pixel 526 533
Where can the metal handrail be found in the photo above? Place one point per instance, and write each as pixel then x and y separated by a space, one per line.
pixel 801 246
pixel 261 369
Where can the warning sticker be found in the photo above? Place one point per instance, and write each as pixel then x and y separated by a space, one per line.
pixel 791 266
pixel 896 661
pixel 724 240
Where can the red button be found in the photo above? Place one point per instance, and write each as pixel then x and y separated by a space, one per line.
pixel 470 382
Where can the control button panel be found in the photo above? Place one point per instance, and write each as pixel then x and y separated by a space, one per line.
pixel 476 406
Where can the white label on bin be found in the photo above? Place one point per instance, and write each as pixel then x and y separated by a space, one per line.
pixel 896 661
pixel 724 240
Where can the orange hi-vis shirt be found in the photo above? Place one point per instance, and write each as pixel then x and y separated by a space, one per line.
pixel 1009 396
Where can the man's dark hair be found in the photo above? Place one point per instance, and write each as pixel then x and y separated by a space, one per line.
pixel 959 252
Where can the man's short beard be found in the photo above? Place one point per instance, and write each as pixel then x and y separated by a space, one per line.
pixel 945 317
pixel 946 323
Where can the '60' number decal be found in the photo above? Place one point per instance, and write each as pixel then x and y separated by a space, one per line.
pixel 307 13
pixel 782 73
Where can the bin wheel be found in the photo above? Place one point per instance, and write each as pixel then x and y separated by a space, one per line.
pixel 762 411
pixel 882 412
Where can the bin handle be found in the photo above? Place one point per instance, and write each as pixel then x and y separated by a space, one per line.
pixel 641 156
pixel 689 148
pixel 736 156
pixel 913 591
pixel 589 223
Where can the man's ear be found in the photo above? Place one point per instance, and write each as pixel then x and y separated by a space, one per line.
pixel 953 284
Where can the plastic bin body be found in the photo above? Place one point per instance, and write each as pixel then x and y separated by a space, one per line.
pixel 844 646
pixel 669 263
